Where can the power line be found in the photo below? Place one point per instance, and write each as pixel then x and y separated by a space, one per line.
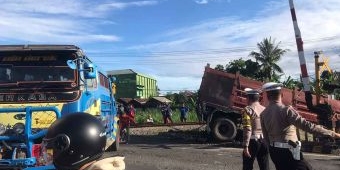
pixel 183 60
pixel 177 53
pixel 157 58
pixel 190 56
pixel 206 51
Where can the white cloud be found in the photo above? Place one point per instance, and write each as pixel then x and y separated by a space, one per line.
pixel 75 8
pixel 219 38
pixel 48 29
pixel 52 7
pixel 122 5
pixel 202 1
pixel 178 56
pixel 166 83
pixel 58 21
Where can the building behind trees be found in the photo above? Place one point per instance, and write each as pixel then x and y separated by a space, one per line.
pixel 130 84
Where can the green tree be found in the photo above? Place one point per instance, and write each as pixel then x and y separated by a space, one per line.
pixel 268 55
pixel 219 67
pixel 329 81
pixel 337 93
pixel 187 97
pixel 290 83
pixel 235 66
pixel 247 68
pixel 253 70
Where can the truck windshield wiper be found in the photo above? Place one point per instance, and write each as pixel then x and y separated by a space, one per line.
pixel 11 84
pixel 43 84
pixel 21 83
pixel 35 85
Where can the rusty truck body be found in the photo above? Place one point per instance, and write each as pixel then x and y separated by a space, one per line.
pixel 221 98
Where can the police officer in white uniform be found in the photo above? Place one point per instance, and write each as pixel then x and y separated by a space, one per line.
pixel 253 144
pixel 279 123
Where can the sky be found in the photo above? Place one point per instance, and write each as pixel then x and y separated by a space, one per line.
pixel 173 40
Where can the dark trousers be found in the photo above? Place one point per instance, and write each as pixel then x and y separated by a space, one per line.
pixel 183 118
pixel 258 150
pixel 167 118
pixel 283 160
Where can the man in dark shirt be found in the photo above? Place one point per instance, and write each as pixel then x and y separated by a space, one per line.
pixel 167 113
pixel 184 113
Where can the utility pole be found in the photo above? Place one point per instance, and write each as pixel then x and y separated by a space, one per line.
pixel 318 71
pixel 317 75
pixel 303 67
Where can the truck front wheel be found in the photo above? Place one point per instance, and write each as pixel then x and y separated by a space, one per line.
pixel 114 146
pixel 224 129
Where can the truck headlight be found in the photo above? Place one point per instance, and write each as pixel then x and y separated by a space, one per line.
pixel 19 128
pixel 2 129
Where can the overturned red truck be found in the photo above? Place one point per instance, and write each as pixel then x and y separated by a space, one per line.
pixel 221 97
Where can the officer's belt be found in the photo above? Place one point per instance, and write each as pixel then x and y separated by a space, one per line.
pixel 258 136
pixel 280 145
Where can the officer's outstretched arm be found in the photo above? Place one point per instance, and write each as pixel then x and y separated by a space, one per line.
pixel 298 121
pixel 337 135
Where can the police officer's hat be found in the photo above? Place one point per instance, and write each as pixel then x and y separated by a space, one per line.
pixel 272 86
pixel 250 91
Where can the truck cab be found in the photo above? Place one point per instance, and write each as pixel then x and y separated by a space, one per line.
pixel 41 83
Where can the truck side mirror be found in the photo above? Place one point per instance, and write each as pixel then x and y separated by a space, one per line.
pixel 72 64
pixel 90 71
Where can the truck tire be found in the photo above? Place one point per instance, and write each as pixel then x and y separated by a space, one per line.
pixel 224 129
pixel 115 145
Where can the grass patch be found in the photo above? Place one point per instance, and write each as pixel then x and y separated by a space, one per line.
pixel 142 115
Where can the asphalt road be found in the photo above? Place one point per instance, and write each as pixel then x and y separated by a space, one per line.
pixel 161 153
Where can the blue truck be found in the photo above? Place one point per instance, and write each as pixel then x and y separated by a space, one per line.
pixel 41 83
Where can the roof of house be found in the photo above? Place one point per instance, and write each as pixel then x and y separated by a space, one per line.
pixel 119 72
pixel 124 100
pixel 126 71
pixel 162 99
pixel 141 101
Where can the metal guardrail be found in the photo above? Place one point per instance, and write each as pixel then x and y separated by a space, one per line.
pixel 27 137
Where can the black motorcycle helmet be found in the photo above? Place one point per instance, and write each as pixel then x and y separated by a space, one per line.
pixel 75 140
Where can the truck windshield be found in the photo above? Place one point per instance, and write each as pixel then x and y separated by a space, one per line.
pixel 35 67
pixel 10 74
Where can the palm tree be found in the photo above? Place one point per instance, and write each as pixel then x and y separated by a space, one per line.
pixel 290 83
pixel 269 54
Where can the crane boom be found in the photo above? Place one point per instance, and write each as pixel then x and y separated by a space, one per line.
pixel 302 59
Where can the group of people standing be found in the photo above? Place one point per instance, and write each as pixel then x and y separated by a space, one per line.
pixel 127 118
pixel 167 113
pixel 272 131
pixel 127 114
